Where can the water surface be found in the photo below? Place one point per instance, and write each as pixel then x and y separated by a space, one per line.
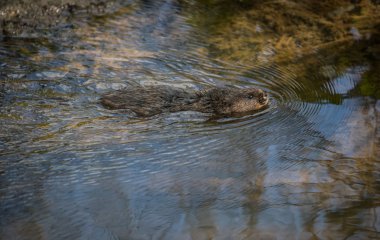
pixel 308 167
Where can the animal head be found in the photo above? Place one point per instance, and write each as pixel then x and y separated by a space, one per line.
pixel 248 100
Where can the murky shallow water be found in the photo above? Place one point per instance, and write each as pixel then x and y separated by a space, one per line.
pixel 306 168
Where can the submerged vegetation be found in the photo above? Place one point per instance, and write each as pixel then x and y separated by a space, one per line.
pixel 289 33
pixel 282 30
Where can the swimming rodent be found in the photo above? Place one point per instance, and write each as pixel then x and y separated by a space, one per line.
pixel 151 100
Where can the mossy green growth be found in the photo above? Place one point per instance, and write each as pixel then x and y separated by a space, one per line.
pixel 370 84
pixel 281 30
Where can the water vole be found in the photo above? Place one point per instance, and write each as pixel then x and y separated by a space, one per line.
pixel 152 100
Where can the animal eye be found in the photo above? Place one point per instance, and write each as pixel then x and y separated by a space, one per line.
pixel 250 96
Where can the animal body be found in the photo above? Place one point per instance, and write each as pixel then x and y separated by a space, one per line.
pixel 152 100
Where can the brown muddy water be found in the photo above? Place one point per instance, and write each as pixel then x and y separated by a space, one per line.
pixel 308 167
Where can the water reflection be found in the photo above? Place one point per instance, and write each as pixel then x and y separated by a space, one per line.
pixel 306 167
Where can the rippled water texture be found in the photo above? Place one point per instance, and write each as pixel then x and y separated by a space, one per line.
pixel 308 167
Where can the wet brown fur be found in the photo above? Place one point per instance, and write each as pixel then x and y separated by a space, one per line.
pixel 152 100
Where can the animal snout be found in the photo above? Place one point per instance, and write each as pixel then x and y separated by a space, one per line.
pixel 264 98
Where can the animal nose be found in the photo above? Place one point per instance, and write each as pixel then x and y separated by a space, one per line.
pixel 265 96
